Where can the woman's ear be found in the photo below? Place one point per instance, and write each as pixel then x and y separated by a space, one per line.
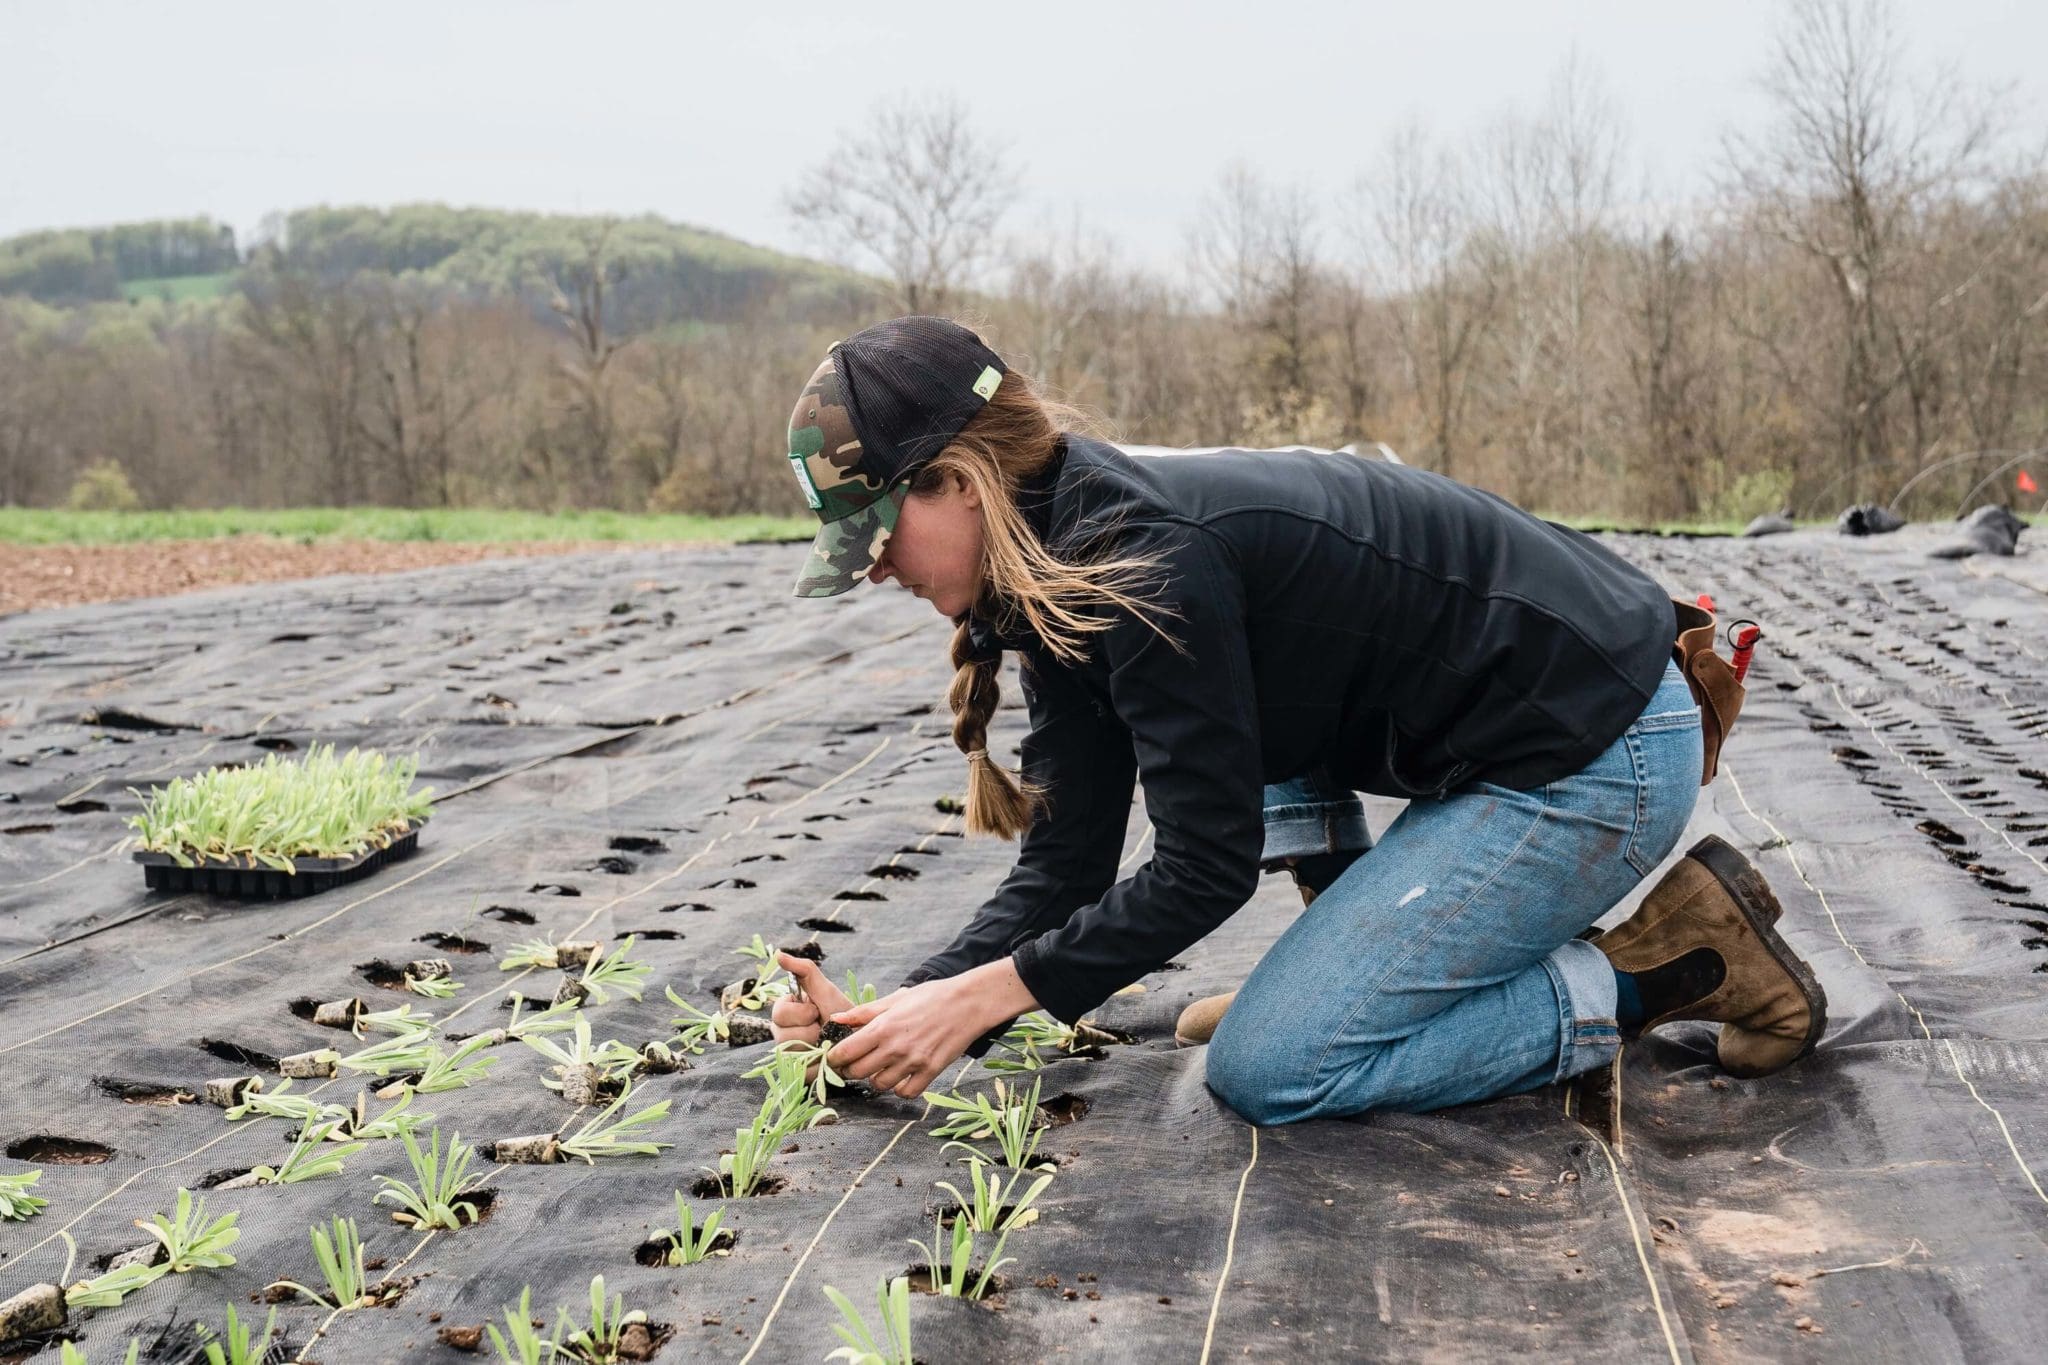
pixel 970 496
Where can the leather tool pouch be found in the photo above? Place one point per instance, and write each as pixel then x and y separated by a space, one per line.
pixel 1714 686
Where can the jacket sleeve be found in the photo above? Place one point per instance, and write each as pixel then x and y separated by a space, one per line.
pixel 1193 721
pixel 1082 755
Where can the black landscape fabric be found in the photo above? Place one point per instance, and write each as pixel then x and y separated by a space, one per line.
pixel 666 744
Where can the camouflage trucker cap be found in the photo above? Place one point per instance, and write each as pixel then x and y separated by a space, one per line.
pixel 884 401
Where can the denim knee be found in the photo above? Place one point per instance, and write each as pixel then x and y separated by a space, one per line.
pixel 1253 1075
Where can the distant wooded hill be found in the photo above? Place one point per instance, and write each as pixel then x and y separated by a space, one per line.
pixel 663 272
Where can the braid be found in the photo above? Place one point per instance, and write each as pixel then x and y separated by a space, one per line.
pixel 999 802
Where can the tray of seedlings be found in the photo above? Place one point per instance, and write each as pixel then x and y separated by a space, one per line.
pixel 283 828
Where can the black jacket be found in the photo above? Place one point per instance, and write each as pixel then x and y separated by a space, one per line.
pixel 1406 631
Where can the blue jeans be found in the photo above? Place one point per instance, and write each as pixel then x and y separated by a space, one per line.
pixel 1441 966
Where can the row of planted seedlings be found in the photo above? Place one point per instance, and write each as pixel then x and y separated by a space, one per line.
pixel 405 1051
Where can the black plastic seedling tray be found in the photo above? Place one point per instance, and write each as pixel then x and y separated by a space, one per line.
pixel 246 879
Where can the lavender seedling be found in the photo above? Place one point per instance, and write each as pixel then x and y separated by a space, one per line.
pixel 308 1159
pixel 597 1342
pixel 191 1240
pixel 786 1110
pixel 234 1346
pixel 601 1136
pixel 525 1345
pixel 949 1258
pixel 547 955
pixel 795 1056
pixel 434 987
pixel 107 1291
pixel 339 1255
pixel 69 1354
pixel 277 1103
pixel 1038 1033
pixel 986 1210
pixel 399 1020
pixel 689 1244
pixel 455 1069
pixel 16 1202
pixel 862 1348
pixel 585 1069
pixel 695 1028
pixel 618 972
pixel 436 1202
pixel 1012 1121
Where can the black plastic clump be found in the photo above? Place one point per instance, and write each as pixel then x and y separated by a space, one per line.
pixel 245 881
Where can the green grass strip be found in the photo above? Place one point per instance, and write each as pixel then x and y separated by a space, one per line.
pixel 56 526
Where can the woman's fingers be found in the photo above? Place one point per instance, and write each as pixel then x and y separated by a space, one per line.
pixel 794 1019
pixel 890 1076
pixel 816 985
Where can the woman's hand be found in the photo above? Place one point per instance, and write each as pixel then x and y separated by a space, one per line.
pixel 792 1018
pixel 906 1039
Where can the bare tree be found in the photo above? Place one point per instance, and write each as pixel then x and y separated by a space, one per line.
pixel 1850 167
pixel 589 429
pixel 1439 307
pixel 919 194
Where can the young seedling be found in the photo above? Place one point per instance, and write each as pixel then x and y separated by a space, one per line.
pixel 547 955
pixel 585 1070
pixel 107 1291
pixel 437 1200
pixel 191 1240
pixel 308 1159
pixel 862 1347
pixel 768 984
pixel 356 1123
pixel 602 976
pixel 986 1210
pixel 69 1354
pixel 1012 1121
pixel 1037 1034
pixel 419 1057
pixel 15 1201
pixel 339 1255
pixel 598 1342
pixel 522 1344
pixel 858 991
pixel 786 1110
pixel 794 1055
pixel 434 987
pixel 949 1259
pixel 695 1028
pixel 277 1103
pixel 689 1244
pixel 603 1134
pixel 399 1020
pixel 555 1018
pixel 403 1054
pixel 234 1346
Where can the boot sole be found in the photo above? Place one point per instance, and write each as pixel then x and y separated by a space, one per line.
pixel 1759 905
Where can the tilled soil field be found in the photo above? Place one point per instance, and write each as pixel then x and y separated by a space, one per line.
pixel 665 744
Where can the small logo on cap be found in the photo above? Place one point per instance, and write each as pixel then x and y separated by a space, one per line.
pixel 986 385
pixel 803 476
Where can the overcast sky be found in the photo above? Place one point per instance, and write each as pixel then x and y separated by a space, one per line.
pixel 706 113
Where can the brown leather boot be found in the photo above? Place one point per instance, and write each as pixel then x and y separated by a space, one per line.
pixel 1197 1023
pixel 1702 946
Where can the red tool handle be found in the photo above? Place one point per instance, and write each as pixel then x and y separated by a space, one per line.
pixel 1745 645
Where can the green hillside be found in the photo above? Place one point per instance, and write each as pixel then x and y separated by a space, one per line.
pixel 661 272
